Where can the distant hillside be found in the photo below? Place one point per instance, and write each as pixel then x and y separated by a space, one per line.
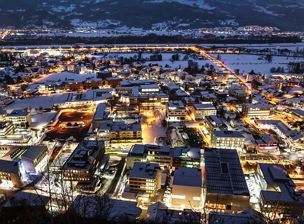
pixel 156 14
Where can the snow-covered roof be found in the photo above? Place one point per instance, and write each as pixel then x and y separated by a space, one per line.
pixel 187 177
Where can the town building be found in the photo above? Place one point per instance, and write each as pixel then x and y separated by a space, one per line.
pixel 101 115
pixel 187 188
pixel 292 136
pixel 238 92
pixel 149 153
pixel 257 110
pixel 143 93
pixel 145 178
pixel 119 133
pixel 227 139
pixel 83 162
pixel 13 134
pixel 20 118
pixel 186 157
pixel 225 185
pixel 4 149
pixel 267 144
pixel 10 173
pixel 90 98
pixel 176 111
pixel 201 110
pixel 278 197
pixel 6 128
pixel 35 158
pixel 213 123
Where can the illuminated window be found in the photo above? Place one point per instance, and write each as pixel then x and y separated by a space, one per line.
pixel 175 196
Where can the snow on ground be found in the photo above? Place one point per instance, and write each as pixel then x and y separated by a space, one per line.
pixel 182 63
pixel 38 101
pixel 246 63
pixel 65 76
pixel 166 59
pixel 59 78
pixel 290 46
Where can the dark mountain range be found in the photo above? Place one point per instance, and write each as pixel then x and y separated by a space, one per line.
pixel 157 14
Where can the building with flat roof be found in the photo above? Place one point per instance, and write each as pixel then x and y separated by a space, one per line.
pixel 256 110
pixel 164 156
pixel 4 149
pixel 146 95
pixel 213 123
pixel 83 162
pixel 31 159
pixel 186 157
pixel 201 110
pixel 176 111
pixel 6 128
pixel 278 197
pixel 101 115
pixel 10 173
pixel 20 118
pixel 11 134
pixel 120 132
pixel 266 143
pixel 187 188
pixel 90 98
pixel 145 178
pixel 149 88
pixel 137 153
pixel 281 129
pixel 227 139
pixel 225 185
pixel 128 114
pixel 149 153
pixel 35 158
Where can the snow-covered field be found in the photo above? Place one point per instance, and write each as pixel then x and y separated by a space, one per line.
pixel 246 63
pixel 166 59
pixel 290 46
pixel 65 77
pixel 59 78
pixel 38 101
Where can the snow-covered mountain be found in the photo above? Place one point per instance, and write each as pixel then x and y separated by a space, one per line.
pixel 156 14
